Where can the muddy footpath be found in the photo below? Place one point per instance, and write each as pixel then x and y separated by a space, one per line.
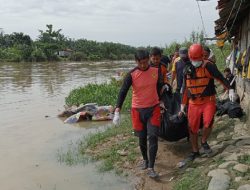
pixel 227 168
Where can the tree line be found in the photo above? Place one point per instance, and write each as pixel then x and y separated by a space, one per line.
pixel 17 47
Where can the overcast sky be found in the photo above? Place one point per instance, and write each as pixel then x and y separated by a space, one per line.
pixel 132 22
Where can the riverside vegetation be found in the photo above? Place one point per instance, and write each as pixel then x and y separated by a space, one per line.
pixel 19 47
pixel 102 94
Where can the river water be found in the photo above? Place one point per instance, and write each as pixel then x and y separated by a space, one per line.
pixel 31 95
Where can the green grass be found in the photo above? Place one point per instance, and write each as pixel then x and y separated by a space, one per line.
pixel 94 139
pixel 111 157
pixel 219 160
pixel 221 55
pixel 195 180
pixel 72 155
pixel 102 94
pixel 88 148
pixel 222 127
pixel 244 159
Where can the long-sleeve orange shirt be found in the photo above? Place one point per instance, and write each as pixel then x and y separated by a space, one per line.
pixel 144 85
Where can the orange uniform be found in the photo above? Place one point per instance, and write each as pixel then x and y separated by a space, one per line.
pixel 145 98
pixel 144 85
pixel 199 93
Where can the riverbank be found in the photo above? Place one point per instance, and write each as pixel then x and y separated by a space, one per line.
pixel 227 168
pixel 118 150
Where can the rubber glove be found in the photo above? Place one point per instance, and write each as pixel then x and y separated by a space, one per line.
pixel 182 111
pixel 166 87
pixel 116 119
pixel 231 95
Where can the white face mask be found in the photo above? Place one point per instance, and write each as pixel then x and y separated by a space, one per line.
pixel 196 63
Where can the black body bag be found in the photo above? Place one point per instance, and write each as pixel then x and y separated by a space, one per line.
pixel 173 128
pixel 233 109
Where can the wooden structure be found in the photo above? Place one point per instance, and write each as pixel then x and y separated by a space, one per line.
pixel 235 20
pixel 65 53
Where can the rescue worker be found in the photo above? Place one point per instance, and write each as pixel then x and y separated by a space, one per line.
pixel 145 112
pixel 174 58
pixel 199 94
pixel 165 60
pixel 178 67
pixel 155 61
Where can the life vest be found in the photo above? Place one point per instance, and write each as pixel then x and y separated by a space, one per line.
pixel 200 84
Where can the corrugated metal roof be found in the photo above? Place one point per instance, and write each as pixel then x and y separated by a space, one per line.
pixel 228 11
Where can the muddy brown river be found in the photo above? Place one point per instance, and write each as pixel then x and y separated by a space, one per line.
pixel 30 141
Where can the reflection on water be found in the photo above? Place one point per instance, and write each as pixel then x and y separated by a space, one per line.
pixel 29 140
pixel 54 77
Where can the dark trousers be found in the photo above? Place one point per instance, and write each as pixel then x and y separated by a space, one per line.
pixel 148 133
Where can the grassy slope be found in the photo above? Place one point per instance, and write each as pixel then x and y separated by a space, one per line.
pixel 102 94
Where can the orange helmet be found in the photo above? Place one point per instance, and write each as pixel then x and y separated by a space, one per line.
pixel 195 52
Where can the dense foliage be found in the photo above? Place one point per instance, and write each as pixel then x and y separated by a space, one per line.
pixel 102 94
pixel 18 47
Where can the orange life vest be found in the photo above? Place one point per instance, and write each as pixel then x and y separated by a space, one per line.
pixel 201 84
